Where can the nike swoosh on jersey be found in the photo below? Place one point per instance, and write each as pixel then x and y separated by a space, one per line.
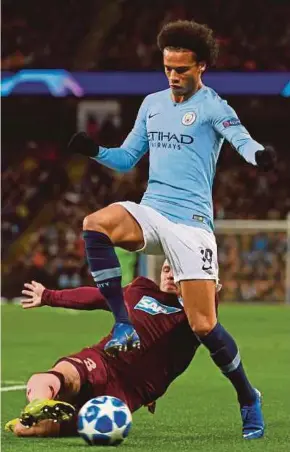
pixel 151 115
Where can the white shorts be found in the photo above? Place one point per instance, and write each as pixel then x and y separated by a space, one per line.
pixel 191 251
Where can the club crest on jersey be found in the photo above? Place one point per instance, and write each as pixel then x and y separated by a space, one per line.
pixel 154 307
pixel 188 118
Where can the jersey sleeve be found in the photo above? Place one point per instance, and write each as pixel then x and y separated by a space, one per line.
pixel 136 144
pixel 81 298
pixel 226 122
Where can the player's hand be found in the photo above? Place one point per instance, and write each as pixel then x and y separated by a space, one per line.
pixel 33 291
pixel 266 159
pixel 81 143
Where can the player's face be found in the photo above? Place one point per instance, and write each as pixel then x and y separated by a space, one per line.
pixel 183 73
pixel 167 283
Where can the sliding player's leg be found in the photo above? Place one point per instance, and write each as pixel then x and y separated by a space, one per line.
pixel 104 229
pixel 48 394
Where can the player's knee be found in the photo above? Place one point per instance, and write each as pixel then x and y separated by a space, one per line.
pixel 95 222
pixel 202 326
pixel 42 386
pixel 32 382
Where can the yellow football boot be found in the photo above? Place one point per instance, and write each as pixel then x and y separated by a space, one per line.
pixel 40 409
pixel 9 427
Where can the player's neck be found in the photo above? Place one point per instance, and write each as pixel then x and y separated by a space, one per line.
pixel 180 99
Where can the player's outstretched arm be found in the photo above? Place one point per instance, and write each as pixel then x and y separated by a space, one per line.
pixel 227 123
pixel 33 291
pixel 121 159
pixel 81 298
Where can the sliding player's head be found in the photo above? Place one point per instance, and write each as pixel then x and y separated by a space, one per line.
pixel 167 283
pixel 188 49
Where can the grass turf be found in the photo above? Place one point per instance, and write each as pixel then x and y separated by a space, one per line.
pixel 198 412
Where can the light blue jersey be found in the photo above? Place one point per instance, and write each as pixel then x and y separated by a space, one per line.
pixel 184 142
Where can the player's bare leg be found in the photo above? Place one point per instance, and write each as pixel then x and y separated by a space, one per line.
pixel 48 395
pixel 200 308
pixel 103 230
pixel 118 224
pixel 199 304
pixel 62 381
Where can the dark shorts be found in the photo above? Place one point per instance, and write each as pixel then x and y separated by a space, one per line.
pixel 98 378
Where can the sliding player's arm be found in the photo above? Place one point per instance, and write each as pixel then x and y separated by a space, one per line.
pixel 81 298
pixel 226 122
pixel 121 159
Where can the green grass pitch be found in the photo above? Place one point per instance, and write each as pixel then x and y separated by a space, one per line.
pixel 199 412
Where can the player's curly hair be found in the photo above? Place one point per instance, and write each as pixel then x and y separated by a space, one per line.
pixel 189 35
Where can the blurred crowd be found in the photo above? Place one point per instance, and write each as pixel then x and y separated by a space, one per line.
pixel 37 35
pixel 240 191
pixel 251 35
pixel 252 266
pixel 27 186
pixel 112 35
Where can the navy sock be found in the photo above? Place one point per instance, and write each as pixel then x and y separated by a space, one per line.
pixel 106 272
pixel 226 356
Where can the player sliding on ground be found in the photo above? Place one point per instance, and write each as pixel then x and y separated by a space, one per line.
pixel 138 378
pixel 183 128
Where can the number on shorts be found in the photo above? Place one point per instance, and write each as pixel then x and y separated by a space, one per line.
pixel 91 365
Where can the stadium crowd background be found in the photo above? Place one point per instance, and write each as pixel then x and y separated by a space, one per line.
pixel 252 35
pixel 38 176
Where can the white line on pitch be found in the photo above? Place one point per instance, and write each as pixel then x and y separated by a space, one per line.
pixel 12 382
pixel 13 388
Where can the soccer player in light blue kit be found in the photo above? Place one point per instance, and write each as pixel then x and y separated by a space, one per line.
pixel 183 128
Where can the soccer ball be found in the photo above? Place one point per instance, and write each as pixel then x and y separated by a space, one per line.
pixel 105 421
